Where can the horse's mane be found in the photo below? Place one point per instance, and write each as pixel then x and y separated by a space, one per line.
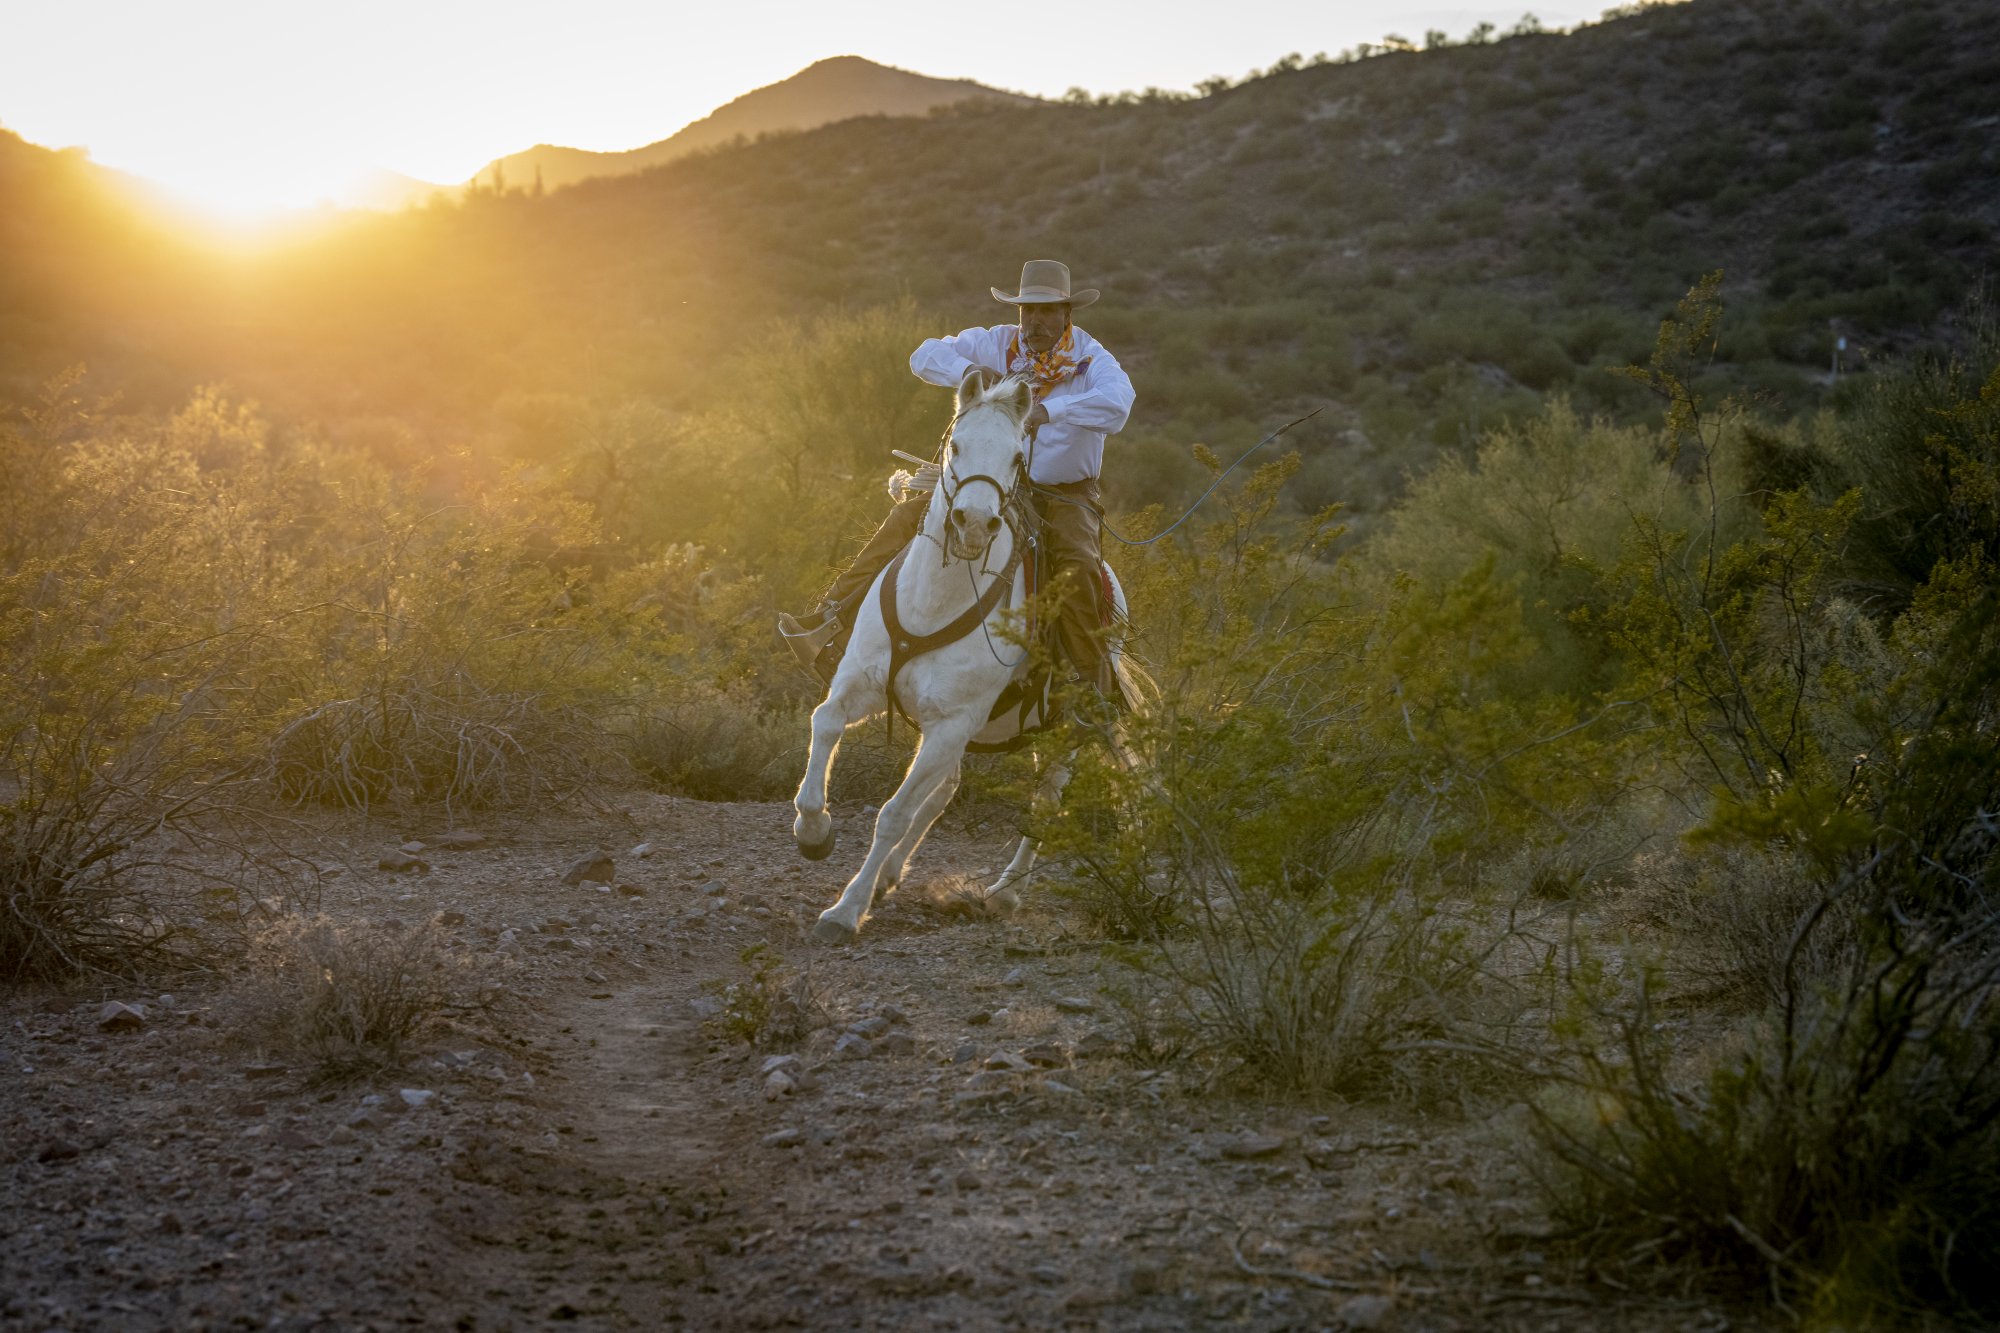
pixel 1000 388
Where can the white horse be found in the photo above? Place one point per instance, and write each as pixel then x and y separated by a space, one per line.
pixel 952 587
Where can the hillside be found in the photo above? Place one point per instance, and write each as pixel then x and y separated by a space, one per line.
pixel 826 91
pixel 1427 241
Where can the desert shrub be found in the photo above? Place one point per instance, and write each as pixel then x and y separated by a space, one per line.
pixel 457 657
pixel 130 662
pixel 1840 1147
pixel 352 997
pixel 1923 448
pixel 1270 844
pixel 1843 1152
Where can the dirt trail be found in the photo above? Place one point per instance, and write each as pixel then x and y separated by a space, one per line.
pixel 971 1143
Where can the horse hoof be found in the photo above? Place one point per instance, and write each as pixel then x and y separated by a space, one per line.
pixel 1002 903
pixel 829 931
pixel 819 851
pixel 882 892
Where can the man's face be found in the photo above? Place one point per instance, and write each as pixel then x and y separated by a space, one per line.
pixel 1042 325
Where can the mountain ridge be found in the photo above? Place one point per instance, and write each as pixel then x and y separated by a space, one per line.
pixel 825 92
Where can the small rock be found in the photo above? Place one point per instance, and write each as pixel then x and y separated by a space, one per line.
pixel 362 1119
pixel 714 888
pixel 898 1043
pixel 450 919
pixel 780 1083
pixel 413 848
pixel 783 1138
pixel 1008 1062
pixel 1046 1273
pixel 870 1027
pixel 966 1180
pixel 991 1080
pixel 853 1047
pixel 1096 1042
pixel 641 852
pixel 1047 1055
pixel 1015 979
pixel 1075 1004
pixel 1252 1146
pixel 706 1006
pixel 595 977
pixel 631 890
pixel 596 867
pixel 462 840
pixel 417 1098
pixel 255 1072
pixel 559 943
pixel 1058 1086
pixel 399 863
pixel 55 1004
pixel 170 1224
pixel 341 1135
pixel 965 1054
pixel 117 1017
pixel 980 1019
pixel 1363 1312
pixel 774 1063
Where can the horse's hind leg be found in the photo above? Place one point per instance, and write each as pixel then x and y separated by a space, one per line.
pixel 1003 896
pixel 812 826
pixel 938 757
pixel 905 849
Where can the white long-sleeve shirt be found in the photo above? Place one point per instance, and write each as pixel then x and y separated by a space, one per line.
pixel 1082 410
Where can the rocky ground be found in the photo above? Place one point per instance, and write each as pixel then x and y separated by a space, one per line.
pixel 949 1132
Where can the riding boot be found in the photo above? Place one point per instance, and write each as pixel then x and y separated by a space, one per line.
pixel 819 638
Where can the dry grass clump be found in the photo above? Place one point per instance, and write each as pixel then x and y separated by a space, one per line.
pixel 1736 916
pixel 351 997
pixel 772 1007
pixel 459 745
pixel 717 745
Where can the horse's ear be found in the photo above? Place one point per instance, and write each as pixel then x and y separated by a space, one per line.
pixel 977 380
pixel 1021 400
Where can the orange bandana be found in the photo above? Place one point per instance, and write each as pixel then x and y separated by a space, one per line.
pixel 1050 368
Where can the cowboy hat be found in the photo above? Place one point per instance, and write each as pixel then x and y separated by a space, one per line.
pixel 1045 282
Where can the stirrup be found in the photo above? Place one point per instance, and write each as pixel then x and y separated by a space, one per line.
pixel 808 643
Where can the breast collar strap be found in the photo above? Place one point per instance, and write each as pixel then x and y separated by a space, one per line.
pixel 905 646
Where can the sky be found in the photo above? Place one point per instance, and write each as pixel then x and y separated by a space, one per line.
pixel 247 105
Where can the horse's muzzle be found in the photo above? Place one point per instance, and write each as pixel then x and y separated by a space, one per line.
pixel 968 532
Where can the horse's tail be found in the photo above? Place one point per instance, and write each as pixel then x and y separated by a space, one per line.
pixel 1135 683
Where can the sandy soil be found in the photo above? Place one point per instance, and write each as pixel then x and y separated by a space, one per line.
pixel 982 1152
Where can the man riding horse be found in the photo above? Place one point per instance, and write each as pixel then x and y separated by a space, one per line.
pixel 1081 394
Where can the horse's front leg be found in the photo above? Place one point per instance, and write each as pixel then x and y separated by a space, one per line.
pixel 1003 896
pixel 812 825
pixel 938 757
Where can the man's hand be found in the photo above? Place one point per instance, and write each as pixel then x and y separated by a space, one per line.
pixel 1038 415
